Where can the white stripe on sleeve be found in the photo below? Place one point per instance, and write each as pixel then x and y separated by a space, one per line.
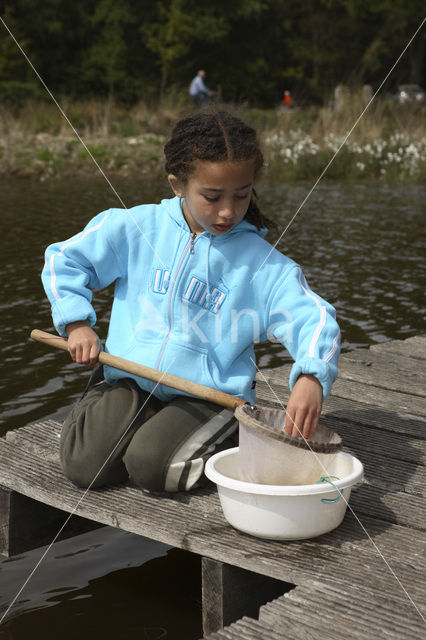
pixel 323 315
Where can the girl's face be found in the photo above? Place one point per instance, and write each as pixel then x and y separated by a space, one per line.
pixel 216 195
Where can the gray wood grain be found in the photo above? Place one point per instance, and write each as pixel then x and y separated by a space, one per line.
pixel 414 347
pixel 390 506
pixel 379 370
pixel 250 629
pixel 175 521
pixel 272 385
pixel 365 579
pixel 353 615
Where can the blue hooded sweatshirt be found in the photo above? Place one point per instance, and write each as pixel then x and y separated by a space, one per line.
pixel 191 306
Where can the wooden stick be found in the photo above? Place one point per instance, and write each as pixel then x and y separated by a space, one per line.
pixel 190 388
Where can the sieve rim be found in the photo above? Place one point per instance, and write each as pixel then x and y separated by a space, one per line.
pixel 245 413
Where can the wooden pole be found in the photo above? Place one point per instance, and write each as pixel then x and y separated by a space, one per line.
pixel 140 370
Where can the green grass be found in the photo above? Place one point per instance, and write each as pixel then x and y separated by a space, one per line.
pixel 389 142
pixel 44 155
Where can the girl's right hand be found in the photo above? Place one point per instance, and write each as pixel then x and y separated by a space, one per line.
pixel 83 343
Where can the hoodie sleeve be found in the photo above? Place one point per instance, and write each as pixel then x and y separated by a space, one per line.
pixel 306 325
pixel 74 267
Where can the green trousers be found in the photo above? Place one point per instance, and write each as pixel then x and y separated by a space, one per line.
pixel 120 432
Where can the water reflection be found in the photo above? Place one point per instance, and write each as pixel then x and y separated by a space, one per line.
pixel 105 584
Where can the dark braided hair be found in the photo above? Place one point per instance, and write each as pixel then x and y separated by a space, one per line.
pixel 215 137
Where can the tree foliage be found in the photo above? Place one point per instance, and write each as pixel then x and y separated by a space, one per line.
pixel 251 49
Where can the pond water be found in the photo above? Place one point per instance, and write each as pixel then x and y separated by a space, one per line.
pixel 362 247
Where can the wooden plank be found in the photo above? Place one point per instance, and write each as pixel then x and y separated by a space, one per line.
pixel 173 520
pixel 249 629
pixel 396 476
pixel 34 439
pixel 379 397
pixel 381 360
pixel 40 438
pixel 352 615
pixel 392 474
pixel 385 371
pixel 275 381
pixel 361 438
pixel 394 507
pixel 414 347
pixel 385 479
pixel 372 503
pixel 359 532
pixel 351 411
pixel 27 524
pixel 229 593
pixel 358 413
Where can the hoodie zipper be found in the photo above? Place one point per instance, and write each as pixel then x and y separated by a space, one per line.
pixel 189 248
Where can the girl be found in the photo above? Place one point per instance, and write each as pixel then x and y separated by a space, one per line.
pixel 196 285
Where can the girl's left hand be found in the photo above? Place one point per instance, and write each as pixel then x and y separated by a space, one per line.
pixel 304 407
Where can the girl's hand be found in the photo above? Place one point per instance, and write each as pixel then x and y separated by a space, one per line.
pixel 304 407
pixel 83 343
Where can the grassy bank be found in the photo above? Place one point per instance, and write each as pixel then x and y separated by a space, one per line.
pixel 389 143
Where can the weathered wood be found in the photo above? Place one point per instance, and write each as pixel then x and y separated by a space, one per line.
pixel 229 593
pixel 393 475
pixel 391 419
pixel 365 579
pixel 346 409
pixel 377 357
pixel 375 368
pixel 282 629
pixel 414 347
pixel 249 629
pixel 26 524
pixel 395 507
pixel 41 438
pixel 174 521
pixel 380 397
pixel 351 615
pixel 381 388
pixel 360 438
pixel 380 471
pixel 377 396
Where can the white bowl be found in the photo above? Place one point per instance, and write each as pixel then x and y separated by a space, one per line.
pixel 283 512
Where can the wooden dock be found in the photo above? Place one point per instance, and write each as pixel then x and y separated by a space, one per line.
pixel 365 579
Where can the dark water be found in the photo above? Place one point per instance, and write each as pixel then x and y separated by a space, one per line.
pixel 362 247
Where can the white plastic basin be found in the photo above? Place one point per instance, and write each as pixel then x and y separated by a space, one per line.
pixel 283 512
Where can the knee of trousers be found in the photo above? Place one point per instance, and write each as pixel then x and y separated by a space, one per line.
pixel 155 475
pixel 144 470
pixel 87 468
pixel 82 472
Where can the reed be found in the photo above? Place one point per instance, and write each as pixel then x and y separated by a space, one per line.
pixel 388 143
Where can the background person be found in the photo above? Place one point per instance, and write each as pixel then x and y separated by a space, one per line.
pixel 198 90
pixel 287 100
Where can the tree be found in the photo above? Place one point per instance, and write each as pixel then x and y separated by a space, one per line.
pixel 107 56
pixel 183 30
pixel 177 26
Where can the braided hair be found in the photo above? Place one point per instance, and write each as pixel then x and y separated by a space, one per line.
pixel 215 137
